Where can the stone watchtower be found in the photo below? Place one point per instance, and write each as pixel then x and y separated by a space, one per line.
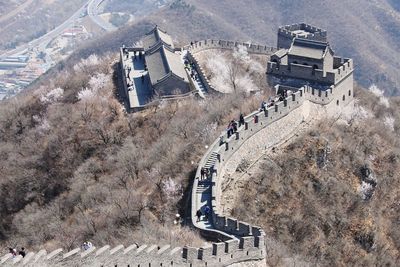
pixel 309 62
pixel 302 30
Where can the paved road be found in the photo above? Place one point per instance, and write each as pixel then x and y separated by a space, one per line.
pixel 92 10
pixel 90 6
pixel 44 40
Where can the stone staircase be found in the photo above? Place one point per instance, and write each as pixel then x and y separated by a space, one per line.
pixel 202 89
pixel 204 187
pixel 211 160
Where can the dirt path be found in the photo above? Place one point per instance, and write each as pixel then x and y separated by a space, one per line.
pixel 17 10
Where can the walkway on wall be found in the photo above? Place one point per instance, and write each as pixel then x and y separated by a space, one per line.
pixel 138 81
pixel 206 192
pixel 195 80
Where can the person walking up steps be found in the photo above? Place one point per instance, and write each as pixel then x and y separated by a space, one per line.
pixel 202 173
pixel 198 214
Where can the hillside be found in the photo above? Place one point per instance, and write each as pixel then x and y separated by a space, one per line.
pixel 72 159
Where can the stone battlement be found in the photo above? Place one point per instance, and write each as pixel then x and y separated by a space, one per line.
pixel 311 30
pixel 202 76
pixel 223 44
pixel 304 72
pixel 216 254
pixel 288 32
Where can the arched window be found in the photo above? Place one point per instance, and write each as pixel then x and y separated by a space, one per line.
pixel 349 92
pixel 344 97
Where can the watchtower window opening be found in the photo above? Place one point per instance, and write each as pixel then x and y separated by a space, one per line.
pixel 344 97
pixel 275 60
pixel 295 62
pixel 349 92
pixel 315 67
pixel 305 64
pixel 337 102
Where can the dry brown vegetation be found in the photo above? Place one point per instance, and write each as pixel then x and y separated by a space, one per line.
pixel 309 198
pixel 76 167
pixel 234 70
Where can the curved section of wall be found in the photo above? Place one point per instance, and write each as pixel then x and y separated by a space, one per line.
pixel 225 45
pixel 237 231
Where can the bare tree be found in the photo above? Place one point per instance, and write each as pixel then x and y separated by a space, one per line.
pixel 233 74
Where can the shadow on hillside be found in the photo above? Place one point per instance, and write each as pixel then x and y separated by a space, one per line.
pixel 119 92
pixel 184 203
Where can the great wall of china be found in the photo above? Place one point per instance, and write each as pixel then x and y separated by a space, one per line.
pixel 237 241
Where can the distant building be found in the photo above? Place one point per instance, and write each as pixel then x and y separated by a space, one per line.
pixel 6 65
pixel 13 62
pixel 154 70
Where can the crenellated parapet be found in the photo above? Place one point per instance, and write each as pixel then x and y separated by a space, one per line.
pixel 214 254
pixel 203 77
pixel 202 45
pixel 305 72
pixel 288 32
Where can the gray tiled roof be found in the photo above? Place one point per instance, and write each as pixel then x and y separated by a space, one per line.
pixel 156 36
pixel 308 48
pixel 162 61
pixel 281 53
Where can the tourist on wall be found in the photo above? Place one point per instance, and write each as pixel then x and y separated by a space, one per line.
pixel 221 140
pixel 13 251
pixel 207 212
pixel 22 252
pixel 198 215
pixel 241 119
pixel 202 173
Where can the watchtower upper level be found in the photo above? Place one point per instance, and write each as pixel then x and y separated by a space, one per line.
pixel 310 60
pixel 287 33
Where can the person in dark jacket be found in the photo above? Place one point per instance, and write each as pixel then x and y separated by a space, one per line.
pixel 22 252
pixel 198 215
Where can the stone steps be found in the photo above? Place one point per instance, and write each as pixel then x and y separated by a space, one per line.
pixel 211 160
